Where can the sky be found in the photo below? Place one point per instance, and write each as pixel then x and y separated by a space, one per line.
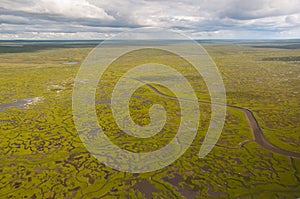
pixel 198 19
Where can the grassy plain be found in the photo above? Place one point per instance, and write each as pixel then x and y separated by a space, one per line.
pixel 43 157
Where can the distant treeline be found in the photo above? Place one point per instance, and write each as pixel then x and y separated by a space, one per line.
pixel 288 59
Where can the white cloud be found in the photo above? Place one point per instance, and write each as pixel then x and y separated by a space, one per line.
pixel 293 19
pixel 68 8
pixel 197 18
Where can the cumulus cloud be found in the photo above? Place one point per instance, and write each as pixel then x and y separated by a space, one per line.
pixel 96 19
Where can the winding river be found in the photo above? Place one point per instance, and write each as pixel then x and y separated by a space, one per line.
pixel 258 135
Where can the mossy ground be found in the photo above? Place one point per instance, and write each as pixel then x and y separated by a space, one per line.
pixel 42 155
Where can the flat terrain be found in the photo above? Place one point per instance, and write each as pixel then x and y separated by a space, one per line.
pixel 257 155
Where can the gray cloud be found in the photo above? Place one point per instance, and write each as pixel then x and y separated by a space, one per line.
pixel 196 18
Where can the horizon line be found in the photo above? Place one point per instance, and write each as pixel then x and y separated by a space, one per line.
pixel 97 40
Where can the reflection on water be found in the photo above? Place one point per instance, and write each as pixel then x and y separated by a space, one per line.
pixel 71 63
pixel 20 103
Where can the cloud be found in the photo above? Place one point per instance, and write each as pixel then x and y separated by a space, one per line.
pixel 196 18
pixel 12 19
pixel 256 9
pixel 67 8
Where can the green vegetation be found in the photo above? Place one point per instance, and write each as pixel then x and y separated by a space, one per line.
pixel 43 157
